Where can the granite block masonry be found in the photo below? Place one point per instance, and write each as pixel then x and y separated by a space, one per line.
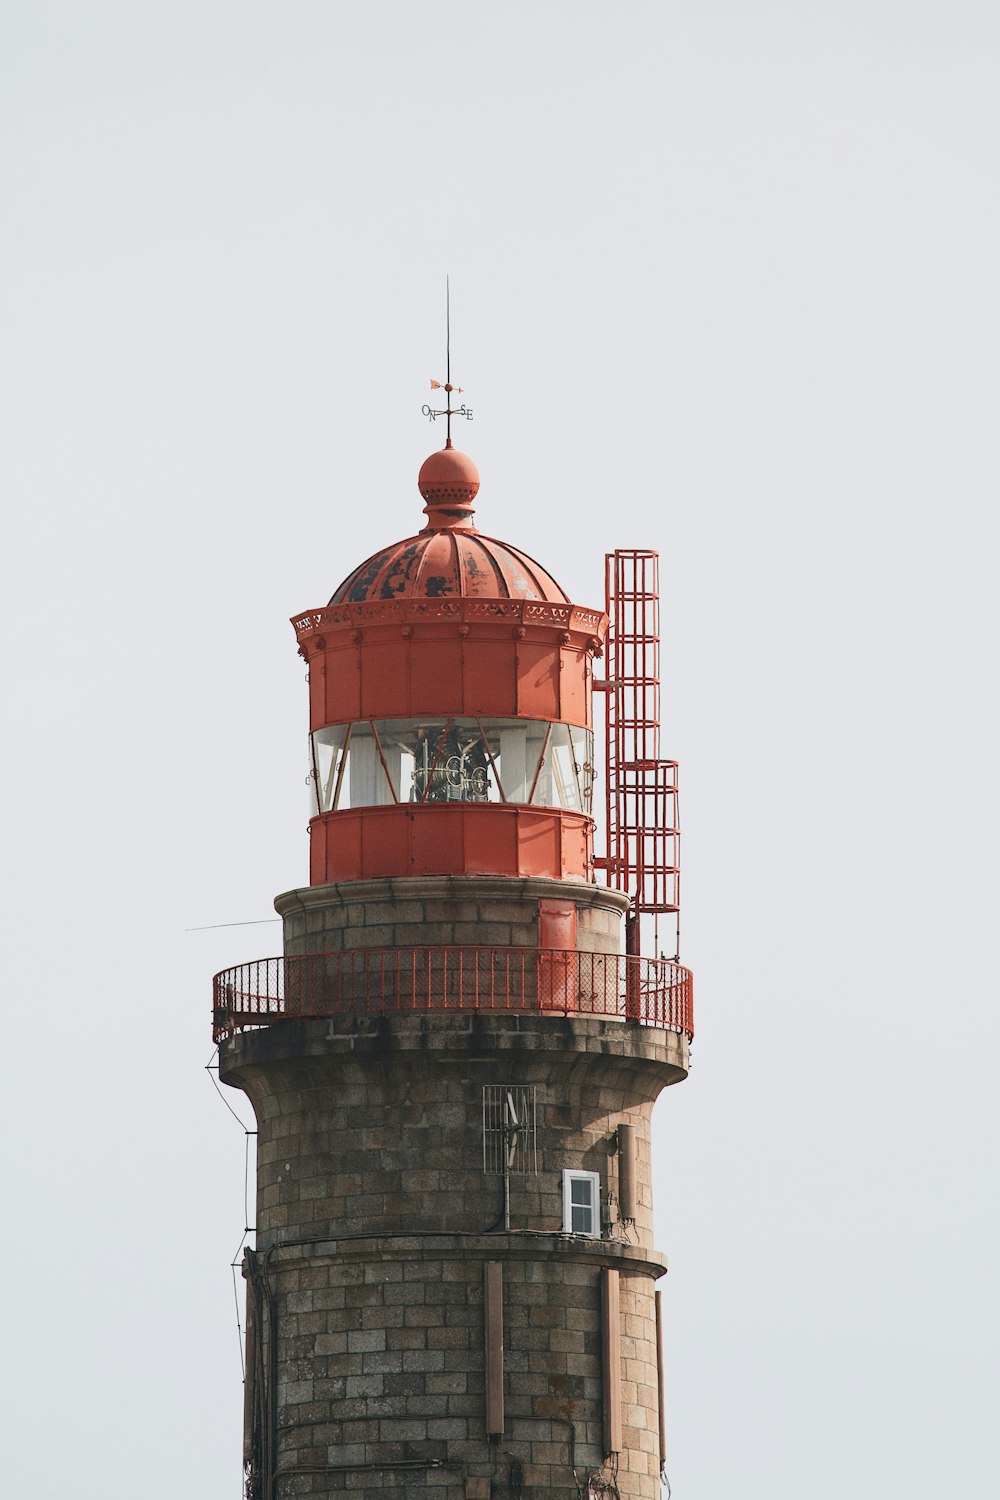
pixel 376 1221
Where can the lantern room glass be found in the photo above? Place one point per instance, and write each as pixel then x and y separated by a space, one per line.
pixel 380 762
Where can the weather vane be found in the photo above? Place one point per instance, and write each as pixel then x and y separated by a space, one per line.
pixel 447 411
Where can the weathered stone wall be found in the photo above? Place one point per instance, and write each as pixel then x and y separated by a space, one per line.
pixel 371 1124
pixel 381 1367
pixel 373 1212
pixel 479 911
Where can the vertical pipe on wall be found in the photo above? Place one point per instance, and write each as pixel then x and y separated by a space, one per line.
pixel 632 953
pixel 249 1381
pixel 662 1405
pixel 611 1361
pixel 627 1175
pixel 493 1317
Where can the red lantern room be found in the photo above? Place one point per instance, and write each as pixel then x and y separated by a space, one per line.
pixel 451 690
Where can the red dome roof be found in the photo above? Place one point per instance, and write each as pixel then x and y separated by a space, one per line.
pixel 449 559
pixel 450 563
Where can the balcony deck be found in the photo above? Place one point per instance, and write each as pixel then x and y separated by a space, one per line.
pixel 383 981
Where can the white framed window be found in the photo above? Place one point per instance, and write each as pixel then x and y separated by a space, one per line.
pixel 582 1203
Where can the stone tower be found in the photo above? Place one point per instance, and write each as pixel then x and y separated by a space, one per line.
pixel 454 1063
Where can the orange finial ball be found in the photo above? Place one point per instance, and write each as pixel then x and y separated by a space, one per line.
pixel 449 482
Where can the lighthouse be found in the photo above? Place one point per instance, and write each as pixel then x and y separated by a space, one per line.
pixel 453 1062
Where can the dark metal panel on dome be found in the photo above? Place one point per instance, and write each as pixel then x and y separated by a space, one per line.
pixel 482 575
pixel 526 578
pixel 449 564
pixel 437 571
pixel 398 577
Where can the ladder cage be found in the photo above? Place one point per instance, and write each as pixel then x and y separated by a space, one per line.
pixel 642 824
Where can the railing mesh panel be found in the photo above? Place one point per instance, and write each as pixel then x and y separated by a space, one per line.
pixel 382 981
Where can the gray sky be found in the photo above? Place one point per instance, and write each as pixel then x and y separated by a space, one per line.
pixel 724 284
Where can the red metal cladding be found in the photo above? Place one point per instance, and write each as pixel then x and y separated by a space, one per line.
pixel 458 838
pixel 460 656
pixel 382 981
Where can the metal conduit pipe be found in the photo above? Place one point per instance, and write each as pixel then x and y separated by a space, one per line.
pixel 425 1234
pixel 611 1360
pixel 493 1320
pixel 660 1382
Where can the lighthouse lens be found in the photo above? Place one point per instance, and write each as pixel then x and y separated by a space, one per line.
pixel 378 762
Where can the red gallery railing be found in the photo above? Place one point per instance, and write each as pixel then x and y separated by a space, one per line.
pixel 380 981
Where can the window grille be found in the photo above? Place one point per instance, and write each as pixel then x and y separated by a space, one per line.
pixel 509 1129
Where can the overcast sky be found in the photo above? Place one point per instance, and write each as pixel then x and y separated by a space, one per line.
pixel 724 284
